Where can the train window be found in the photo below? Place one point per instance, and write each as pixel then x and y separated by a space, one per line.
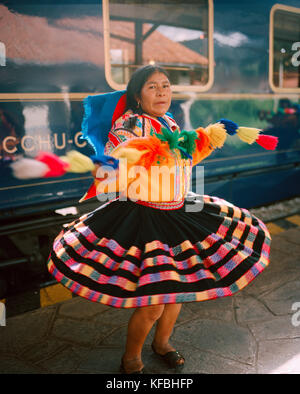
pixel 285 48
pixel 46 48
pixel 175 35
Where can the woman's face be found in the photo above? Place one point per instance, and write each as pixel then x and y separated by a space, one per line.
pixel 155 98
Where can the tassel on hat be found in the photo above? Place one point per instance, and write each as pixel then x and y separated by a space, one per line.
pixel 250 134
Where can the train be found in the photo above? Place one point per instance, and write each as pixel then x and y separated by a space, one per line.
pixel 234 59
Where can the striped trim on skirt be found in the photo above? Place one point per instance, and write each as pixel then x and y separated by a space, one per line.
pixel 128 255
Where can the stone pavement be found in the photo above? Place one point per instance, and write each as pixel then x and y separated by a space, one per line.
pixel 257 331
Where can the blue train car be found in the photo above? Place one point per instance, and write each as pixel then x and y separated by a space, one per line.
pixel 233 59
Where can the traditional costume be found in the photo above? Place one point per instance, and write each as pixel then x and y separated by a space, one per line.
pixel 148 246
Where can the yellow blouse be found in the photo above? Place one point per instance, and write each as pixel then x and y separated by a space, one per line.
pixel 149 171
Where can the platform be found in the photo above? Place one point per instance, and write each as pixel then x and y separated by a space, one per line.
pixel 256 331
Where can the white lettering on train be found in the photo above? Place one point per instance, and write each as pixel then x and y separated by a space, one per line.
pixel 29 143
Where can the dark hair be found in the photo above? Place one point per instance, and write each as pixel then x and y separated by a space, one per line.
pixel 136 83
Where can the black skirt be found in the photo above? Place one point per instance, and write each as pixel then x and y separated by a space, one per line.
pixel 128 255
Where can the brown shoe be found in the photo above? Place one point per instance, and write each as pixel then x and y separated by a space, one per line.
pixel 173 358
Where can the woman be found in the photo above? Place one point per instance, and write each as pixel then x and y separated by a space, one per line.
pixel 148 251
